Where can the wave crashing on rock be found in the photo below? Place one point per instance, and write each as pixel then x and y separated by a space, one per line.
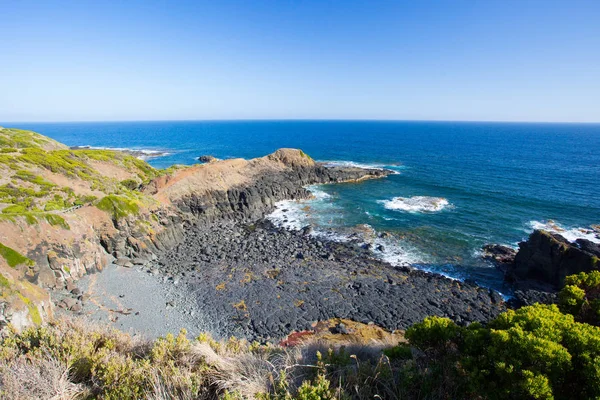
pixel 569 233
pixel 416 204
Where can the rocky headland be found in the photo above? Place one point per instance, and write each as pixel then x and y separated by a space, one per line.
pixel 199 232
pixel 537 269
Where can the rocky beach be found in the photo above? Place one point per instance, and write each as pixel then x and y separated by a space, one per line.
pixel 233 273
pixel 260 282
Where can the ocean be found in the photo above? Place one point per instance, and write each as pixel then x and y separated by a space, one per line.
pixel 458 185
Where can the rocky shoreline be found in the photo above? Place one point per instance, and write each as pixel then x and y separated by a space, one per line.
pixel 231 272
pixel 260 282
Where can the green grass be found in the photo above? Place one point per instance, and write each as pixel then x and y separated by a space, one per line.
pixel 4 283
pixel 31 177
pixel 10 193
pixel 32 218
pixel 118 206
pixel 13 258
pixel 20 139
pixel 30 196
pixel 14 209
pixel 56 220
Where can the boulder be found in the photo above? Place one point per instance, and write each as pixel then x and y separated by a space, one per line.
pixel 207 159
pixel 122 261
pixel 499 254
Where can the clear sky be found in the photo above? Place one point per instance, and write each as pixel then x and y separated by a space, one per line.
pixel 524 60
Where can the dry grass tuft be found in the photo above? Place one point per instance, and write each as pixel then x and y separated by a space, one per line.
pixel 44 378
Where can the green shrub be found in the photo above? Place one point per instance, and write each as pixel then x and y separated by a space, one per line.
pixel 130 184
pixel 118 206
pixel 82 200
pixel 534 352
pixel 401 351
pixel 581 297
pixel 4 283
pixel 28 176
pixel 56 220
pixel 14 258
pixel 14 209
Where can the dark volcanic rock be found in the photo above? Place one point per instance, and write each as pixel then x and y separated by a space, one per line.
pixel 549 258
pixel 499 254
pixel 252 202
pixel 531 296
pixel 249 281
pixel 207 159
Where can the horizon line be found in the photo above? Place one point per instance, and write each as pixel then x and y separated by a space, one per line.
pixel 297 120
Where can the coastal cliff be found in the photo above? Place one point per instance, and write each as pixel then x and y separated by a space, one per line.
pixel 67 212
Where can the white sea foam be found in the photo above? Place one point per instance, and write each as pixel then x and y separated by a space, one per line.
pixel 416 204
pixel 571 234
pixel 288 215
pixel 295 215
pixel 396 252
pixel 317 193
pixel 351 164
pixel 316 212
pixel 142 154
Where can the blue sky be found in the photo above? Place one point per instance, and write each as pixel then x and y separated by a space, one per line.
pixel 502 60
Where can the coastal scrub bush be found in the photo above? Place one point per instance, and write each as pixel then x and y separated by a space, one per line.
pixel 19 138
pixel 4 283
pixel 534 352
pixel 56 220
pixel 28 176
pixel 13 258
pixel 118 206
pixel 14 209
pixel 581 297
pixel 130 184
pixel 103 363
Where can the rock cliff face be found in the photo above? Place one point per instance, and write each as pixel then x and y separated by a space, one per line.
pixel 549 258
pixel 246 190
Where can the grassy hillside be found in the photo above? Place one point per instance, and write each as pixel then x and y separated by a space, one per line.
pixel 41 177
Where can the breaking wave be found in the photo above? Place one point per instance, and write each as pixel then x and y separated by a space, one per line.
pixel 142 154
pixel 352 164
pixel 416 204
pixel 571 234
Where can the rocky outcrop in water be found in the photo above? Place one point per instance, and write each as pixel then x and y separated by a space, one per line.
pixel 207 159
pixel 549 258
pixel 502 256
pixel 247 190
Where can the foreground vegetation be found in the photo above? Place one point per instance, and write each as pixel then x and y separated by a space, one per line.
pixel 536 352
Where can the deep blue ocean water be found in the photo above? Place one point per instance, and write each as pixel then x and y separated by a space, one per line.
pixel 482 182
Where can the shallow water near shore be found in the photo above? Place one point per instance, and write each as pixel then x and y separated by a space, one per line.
pixel 458 185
